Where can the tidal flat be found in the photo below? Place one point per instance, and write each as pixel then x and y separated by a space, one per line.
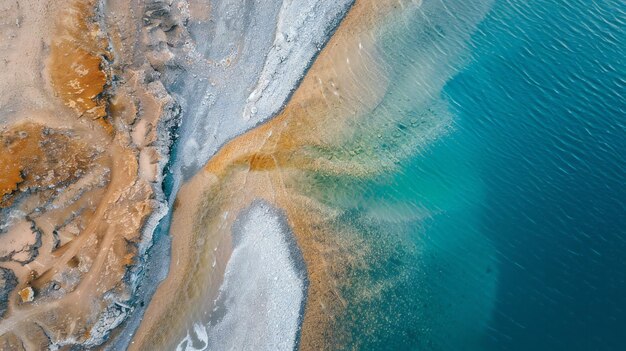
pixel 312 175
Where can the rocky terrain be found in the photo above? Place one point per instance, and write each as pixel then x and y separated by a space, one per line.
pixel 85 130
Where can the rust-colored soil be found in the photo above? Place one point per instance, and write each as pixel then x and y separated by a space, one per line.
pixel 34 157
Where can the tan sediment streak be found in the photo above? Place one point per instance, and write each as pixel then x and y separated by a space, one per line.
pixel 346 81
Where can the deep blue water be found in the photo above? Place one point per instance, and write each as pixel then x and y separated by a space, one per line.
pixel 541 104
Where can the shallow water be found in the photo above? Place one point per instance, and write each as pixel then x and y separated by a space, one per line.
pixel 428 276
pixel 508 231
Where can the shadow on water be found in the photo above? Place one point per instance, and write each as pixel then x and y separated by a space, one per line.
pixel 543 102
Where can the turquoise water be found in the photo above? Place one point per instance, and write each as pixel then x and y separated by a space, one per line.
pixel 508 230
pixel 428 275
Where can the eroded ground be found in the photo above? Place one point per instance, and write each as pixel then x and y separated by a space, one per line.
pixel 83 134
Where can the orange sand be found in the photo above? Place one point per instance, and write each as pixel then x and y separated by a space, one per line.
pixel 27 154
pixel 76 63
